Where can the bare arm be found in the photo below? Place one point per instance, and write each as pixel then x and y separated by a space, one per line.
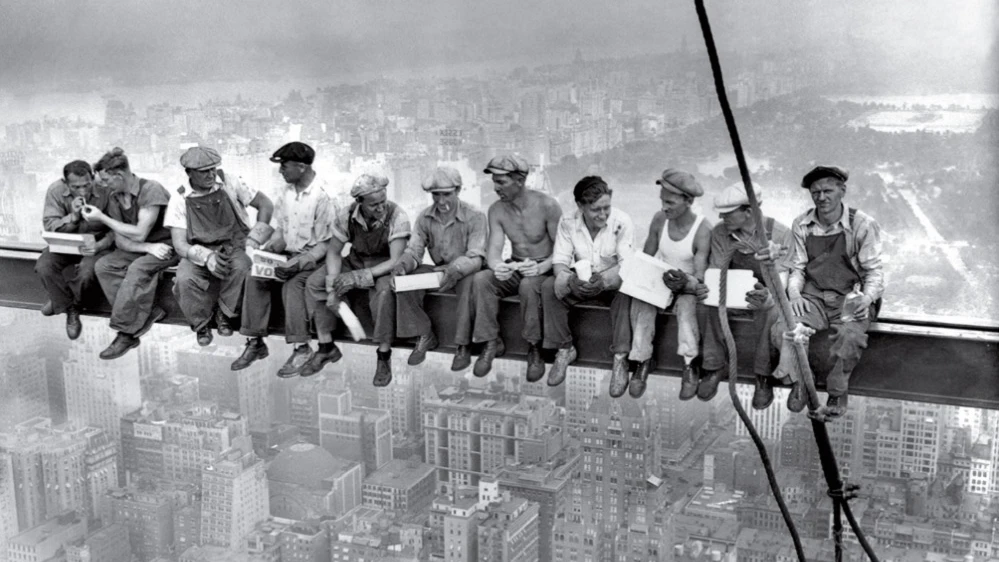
pixel 129 245
pixel 702 247
pixel 553 212
pixel 655 232
pixel 138 231
pixel 396 248
pixel 180 245
pixel 494 248
pixel 334 261
pixel 264 207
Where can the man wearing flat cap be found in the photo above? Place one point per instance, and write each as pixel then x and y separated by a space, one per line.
pixel 735 235
pixel 377 230
pixel 836 279
pixel 682 239
pixel 210 226
pixel 530 220
pixel 453 233
pixel 303 215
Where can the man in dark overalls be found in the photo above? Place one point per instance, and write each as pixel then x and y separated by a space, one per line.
pixel 64 201
pixel 734 234
pixel 377 230
pixel 129 275
pixel 835 250
pixel 454 234
pixel 210 226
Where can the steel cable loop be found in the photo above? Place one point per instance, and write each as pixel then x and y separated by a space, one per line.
pixel 761 447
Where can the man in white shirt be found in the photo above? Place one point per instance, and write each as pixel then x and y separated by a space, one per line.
pixel 209 226
pixel 603 236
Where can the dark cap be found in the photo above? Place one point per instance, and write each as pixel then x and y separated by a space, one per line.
pixel 294 152
pixel 820 172
pixel 506 164
pixel 680 182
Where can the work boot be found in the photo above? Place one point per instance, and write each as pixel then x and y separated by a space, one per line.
pixel 535 364
pixel 563 359
pixel 321 358
pixel 204 336
pixel 462 358
pixel 73 324
pixel 383 371
pixel 427 342
pixel 298 359
pixel 120 346
pixel 798 398
pixel 619 375
pixel 155 315
pixel 223 324
pixel 708 387
pixel 255 349
pixel 484 364
pixel 48 309
pixel 763 396
pixel 637 385
pixel 835 406
pixel 689 381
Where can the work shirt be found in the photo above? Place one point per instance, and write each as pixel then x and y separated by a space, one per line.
pixel 863 245
pixel 57 214
pixel 240 194
pixel 341 229
pixel 140 194
pixel 613 243
pixel 458 239
pixel 304 218
pixel 722 241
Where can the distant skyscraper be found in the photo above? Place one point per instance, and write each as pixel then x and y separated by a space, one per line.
pixel 680 422
pixel 768 422
pixel 43 542
pixel 351 432
pixel 306 482
pixel 509 532
pixel 922 434
pixel 148 517
pixel 547 485
pixel 400 400
pixel 8 515
pixel 109 544
pixel 402 486
pixel 234 499
pixel 583 384
pixel 99 393
pixel 246 391
pixel 23 388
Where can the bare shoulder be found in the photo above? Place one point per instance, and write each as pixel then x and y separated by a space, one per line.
pixel 658 220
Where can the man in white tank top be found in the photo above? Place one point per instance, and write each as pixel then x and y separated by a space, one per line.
pixel 681 238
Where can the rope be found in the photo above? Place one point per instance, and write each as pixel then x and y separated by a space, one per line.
pixel 827 457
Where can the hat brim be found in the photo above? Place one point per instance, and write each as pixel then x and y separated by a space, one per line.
pixel 206 168
pixel 726 209
pixel 441 189
pixel 497 171
pixel 671 188
pixel 816 175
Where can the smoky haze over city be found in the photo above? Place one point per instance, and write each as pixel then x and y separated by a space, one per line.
pixel 168 454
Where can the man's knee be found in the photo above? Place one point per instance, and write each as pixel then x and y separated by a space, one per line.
pixel 47 267
pixel 547 290
pixel 530 287
pixel 484 280
pixel 315 286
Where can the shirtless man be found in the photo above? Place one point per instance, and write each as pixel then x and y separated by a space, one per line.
pixel 530 220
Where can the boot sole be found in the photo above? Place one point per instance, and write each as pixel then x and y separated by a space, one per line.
pixel 124 352
pixel 263 355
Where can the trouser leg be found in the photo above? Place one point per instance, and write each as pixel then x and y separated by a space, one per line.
pixel 316 295
pixel 556 317
pixel 464 290
pixel 381 300
pixel 231 288
pixel 620 314
pixel 529 292
pixel 643 329
pixel 487 293
pixel 411 319
pixel 84 280
pixel 296 310
pixel 688 333
pixel 848 343
pixel 131 289
pixel 256 307
pixel 713 342
pixel 49 268
pixel 193 289
pixel 814 318
pixel 763 322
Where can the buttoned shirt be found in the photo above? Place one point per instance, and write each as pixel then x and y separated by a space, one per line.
pixel 613 243
pixel 398 229
pixel 239 193
pixel 304 218
pixel 863 243
pixel 57 214
pixel 457 239
pixel 722 240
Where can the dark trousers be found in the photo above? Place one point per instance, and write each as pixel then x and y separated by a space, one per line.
pixel 67 288
pixel 849 339
pixel 197 290
pixel 257 307
pixel 129 281
pixel 412 321
pixel 381 301
pixel 713 340
pixel 556 317
pixel 487 292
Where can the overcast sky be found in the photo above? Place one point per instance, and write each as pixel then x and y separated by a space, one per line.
pixel 201 39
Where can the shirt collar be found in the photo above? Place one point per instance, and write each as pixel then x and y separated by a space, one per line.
pixel 581 222
pixel 844 220
pixel 359 218
pixel 133 186
pixel 191 192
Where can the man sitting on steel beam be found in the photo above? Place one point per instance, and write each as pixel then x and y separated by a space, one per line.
pixel 377 230
pixel 210 226
pixel 64 202
pixel 453 233
pixel 530 220
pixel 130 274
pixel 302 221
pixel 836 281
pixel 736 234
pixel 602 236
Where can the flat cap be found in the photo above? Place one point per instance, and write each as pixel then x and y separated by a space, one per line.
pixel 680 182
pixel 200 158
pixel 368 183
pixel 820 172
pixel 442 178
pixel 507 163
pixel 294 152
pixel 734 196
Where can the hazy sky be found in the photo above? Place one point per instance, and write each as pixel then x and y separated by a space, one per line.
pixel 198 39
